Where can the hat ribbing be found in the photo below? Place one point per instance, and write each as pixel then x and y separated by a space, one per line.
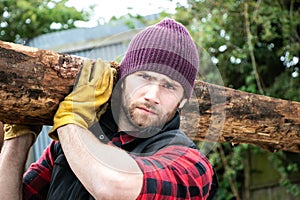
pixel 165 48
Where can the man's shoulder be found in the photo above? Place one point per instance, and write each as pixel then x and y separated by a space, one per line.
pixel 175 137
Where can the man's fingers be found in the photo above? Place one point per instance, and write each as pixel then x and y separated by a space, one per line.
pixel 97 73
pixel 84 74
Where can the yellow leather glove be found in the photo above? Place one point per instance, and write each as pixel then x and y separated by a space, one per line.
pixel 15 130
pixel 88 98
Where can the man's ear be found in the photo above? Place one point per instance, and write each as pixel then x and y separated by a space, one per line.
pixel 182 103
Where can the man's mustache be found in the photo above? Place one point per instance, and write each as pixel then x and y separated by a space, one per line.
pixel 147 105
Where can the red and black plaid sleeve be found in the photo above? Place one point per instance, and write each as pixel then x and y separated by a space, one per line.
pixel 36 179
pixel 175 172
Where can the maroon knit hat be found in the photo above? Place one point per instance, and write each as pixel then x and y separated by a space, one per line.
pixel 165 48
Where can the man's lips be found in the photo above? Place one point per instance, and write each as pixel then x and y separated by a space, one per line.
pixel 146 110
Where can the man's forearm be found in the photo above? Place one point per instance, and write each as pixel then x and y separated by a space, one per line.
pixel 1 135
pixel 105 171
pixel 12 162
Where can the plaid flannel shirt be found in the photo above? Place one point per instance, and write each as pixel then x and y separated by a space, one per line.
pixel 174 172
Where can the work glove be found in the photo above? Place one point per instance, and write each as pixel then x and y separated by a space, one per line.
pixel 15 130
pixel 88 100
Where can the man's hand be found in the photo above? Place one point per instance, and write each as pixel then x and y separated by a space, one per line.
pixel 15 130
pixel 88 98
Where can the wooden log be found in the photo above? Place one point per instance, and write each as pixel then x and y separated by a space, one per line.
pixel 228 115
pixel 34 81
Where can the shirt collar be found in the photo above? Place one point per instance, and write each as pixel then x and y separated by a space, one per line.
pixel 110 128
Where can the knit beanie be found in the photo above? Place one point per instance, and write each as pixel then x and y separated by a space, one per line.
pixel 166 48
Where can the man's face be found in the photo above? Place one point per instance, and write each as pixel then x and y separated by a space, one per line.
pixel 150 99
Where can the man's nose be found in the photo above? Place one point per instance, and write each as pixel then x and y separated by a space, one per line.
pixel 152 93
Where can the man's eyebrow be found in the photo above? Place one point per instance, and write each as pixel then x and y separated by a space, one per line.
pixel 172 82
pixel 148 74
pixel 169 81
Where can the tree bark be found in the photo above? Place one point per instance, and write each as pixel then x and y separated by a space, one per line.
pixel 228 115
pixel 34 81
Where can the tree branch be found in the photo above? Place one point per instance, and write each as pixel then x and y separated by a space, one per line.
pixel 249 42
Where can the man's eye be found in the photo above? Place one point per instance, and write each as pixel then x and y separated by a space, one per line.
pixel 169 86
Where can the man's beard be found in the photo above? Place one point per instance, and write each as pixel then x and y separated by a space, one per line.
pixel 142 121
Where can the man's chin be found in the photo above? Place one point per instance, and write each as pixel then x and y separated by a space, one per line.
pixel 142 125
pixel 147 124
pixel 144 121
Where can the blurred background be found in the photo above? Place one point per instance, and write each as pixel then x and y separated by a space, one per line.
pixel 254 44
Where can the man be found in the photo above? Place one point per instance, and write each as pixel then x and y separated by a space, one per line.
pixel 139 152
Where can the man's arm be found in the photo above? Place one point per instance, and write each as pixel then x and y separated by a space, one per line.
pixel 1 135
pixel 12 162
pixel 109 172
pixel 104 170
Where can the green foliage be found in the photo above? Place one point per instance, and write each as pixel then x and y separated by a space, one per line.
pixel 230 31
pixel 220 27
pixel 23 19
pixel 228 163
pixel 130 20
pixel 286 167
pixel 285 86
